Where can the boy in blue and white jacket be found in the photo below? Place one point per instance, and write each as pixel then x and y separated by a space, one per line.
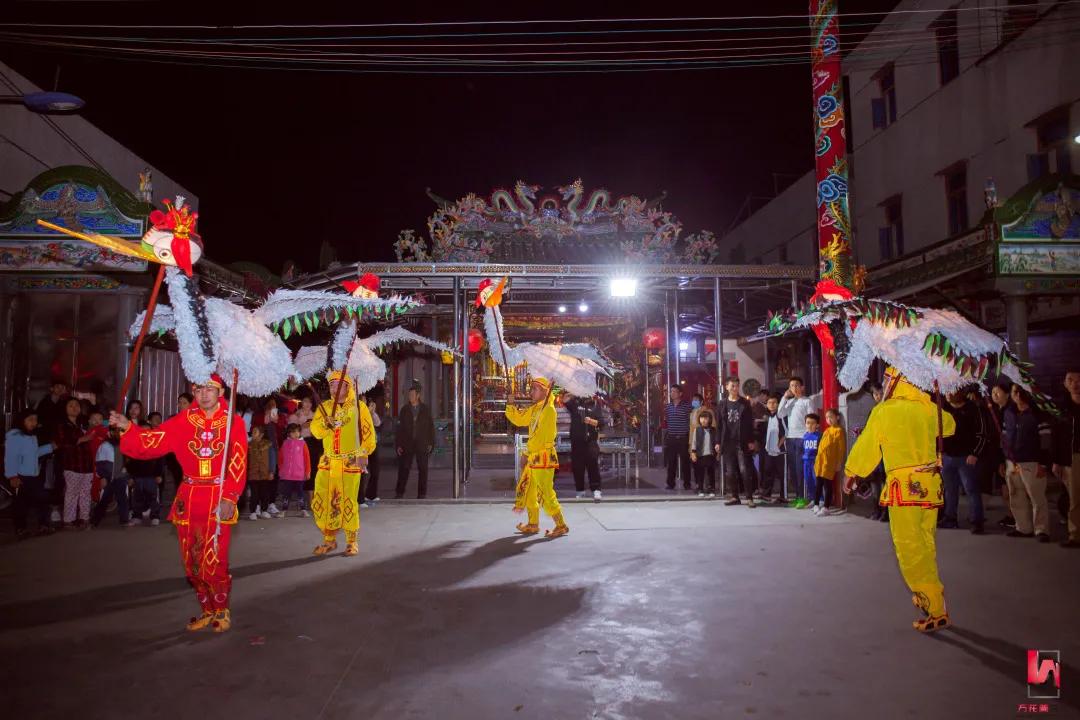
pixel 22 467
pixel 810 440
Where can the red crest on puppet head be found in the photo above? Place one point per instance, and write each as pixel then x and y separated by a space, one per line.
pixel 180 222
pixel 369 282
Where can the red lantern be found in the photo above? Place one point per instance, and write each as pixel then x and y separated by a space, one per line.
pixel 653 338
pixel 476 340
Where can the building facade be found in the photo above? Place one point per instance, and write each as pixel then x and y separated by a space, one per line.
pixel 962 126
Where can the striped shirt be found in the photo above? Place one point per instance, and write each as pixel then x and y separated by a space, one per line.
pixel 678 418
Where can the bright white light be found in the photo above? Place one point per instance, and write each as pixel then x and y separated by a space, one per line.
pixel 1077 139
pixel 562 308
pixel 683 345
pixel 583 308
pixel 623 287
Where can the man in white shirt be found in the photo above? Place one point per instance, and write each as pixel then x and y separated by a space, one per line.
pixel 794 407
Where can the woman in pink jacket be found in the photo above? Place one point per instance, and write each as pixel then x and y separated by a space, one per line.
pixel 294 467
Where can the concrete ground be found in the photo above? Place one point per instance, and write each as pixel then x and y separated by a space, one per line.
pixel 646 610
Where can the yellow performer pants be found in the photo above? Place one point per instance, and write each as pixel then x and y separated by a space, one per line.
pixel 535 488
pixel 337 485
pixel 913 531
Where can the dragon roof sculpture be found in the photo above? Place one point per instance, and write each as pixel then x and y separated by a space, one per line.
pixel 567 225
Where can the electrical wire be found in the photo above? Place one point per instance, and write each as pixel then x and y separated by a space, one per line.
pixel 556 21
pixel 799 48
pixel 799 55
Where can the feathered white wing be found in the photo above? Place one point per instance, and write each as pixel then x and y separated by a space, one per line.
pixel 241 341
pixel 903 347
pixel 395 335
pixel 309 361
pixel 297 311
pixel 573 366
pixel 365 367
pixel 162 322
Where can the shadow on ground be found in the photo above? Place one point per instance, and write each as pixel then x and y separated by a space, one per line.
pixel 348 641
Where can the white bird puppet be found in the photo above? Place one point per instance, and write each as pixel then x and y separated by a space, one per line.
pixel 928 346
pixel 573 366
pixel 215 335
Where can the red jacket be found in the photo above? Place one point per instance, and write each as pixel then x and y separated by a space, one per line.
pixel 198 441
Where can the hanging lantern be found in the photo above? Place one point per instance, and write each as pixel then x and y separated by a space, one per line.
pixel 476 340
pixel 653 338
pixel 447 357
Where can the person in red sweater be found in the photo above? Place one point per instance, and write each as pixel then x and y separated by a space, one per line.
pixel 204 510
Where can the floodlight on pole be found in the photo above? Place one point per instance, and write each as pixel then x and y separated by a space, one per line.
pixel 683 345
pixel 45 103
pixel 623 287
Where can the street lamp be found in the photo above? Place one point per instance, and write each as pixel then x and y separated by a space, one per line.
pixel 45 103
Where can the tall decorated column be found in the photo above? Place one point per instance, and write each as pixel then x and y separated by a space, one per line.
pixel 835 268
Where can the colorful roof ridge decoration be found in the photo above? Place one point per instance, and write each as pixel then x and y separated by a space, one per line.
pixel 569 225
pixel 927 345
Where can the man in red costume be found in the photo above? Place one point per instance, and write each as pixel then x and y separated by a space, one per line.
pixel 205 507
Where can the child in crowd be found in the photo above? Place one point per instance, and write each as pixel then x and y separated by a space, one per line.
pixel 260 481
pixel 772 449
pixel 832 448
pixel 810 439
pixel 109 466
pixel 703 449
pixel 294 468
pixel 99 433
pixel 22 468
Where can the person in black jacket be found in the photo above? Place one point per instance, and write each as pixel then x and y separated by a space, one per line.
pixel 1067 453
pixel 585 423
pixel 1023 470
pixel 737 443
pixel 961 452
pixel 415 439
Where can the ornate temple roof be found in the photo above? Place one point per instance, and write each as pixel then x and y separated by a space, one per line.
pixel 564 225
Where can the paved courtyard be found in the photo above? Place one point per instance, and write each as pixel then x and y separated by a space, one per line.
pixel 646 610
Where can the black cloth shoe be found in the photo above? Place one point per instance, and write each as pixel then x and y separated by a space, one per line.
pixel 977 529
pixel 1016 533
pixel 948 524
pixel 733 501
pixel 1007 522
pixel 1043 538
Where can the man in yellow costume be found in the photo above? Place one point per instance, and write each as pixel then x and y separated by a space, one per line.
pixel 348 437
pixel 902 432
pixel 537 484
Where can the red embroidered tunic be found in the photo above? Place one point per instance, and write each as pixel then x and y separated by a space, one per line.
pixel 198 442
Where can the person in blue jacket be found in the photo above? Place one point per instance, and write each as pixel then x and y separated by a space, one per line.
pixel 22 467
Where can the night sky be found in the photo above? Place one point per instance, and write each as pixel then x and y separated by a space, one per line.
pixel 281 160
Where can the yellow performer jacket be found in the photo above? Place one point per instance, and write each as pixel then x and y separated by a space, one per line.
pixel 902 432
pixel 343 442
pixel 540 419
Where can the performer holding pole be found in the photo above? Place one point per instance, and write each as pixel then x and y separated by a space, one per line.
pixel 210 443
pixel 536 486
pixel 904 431
pixel 348 437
